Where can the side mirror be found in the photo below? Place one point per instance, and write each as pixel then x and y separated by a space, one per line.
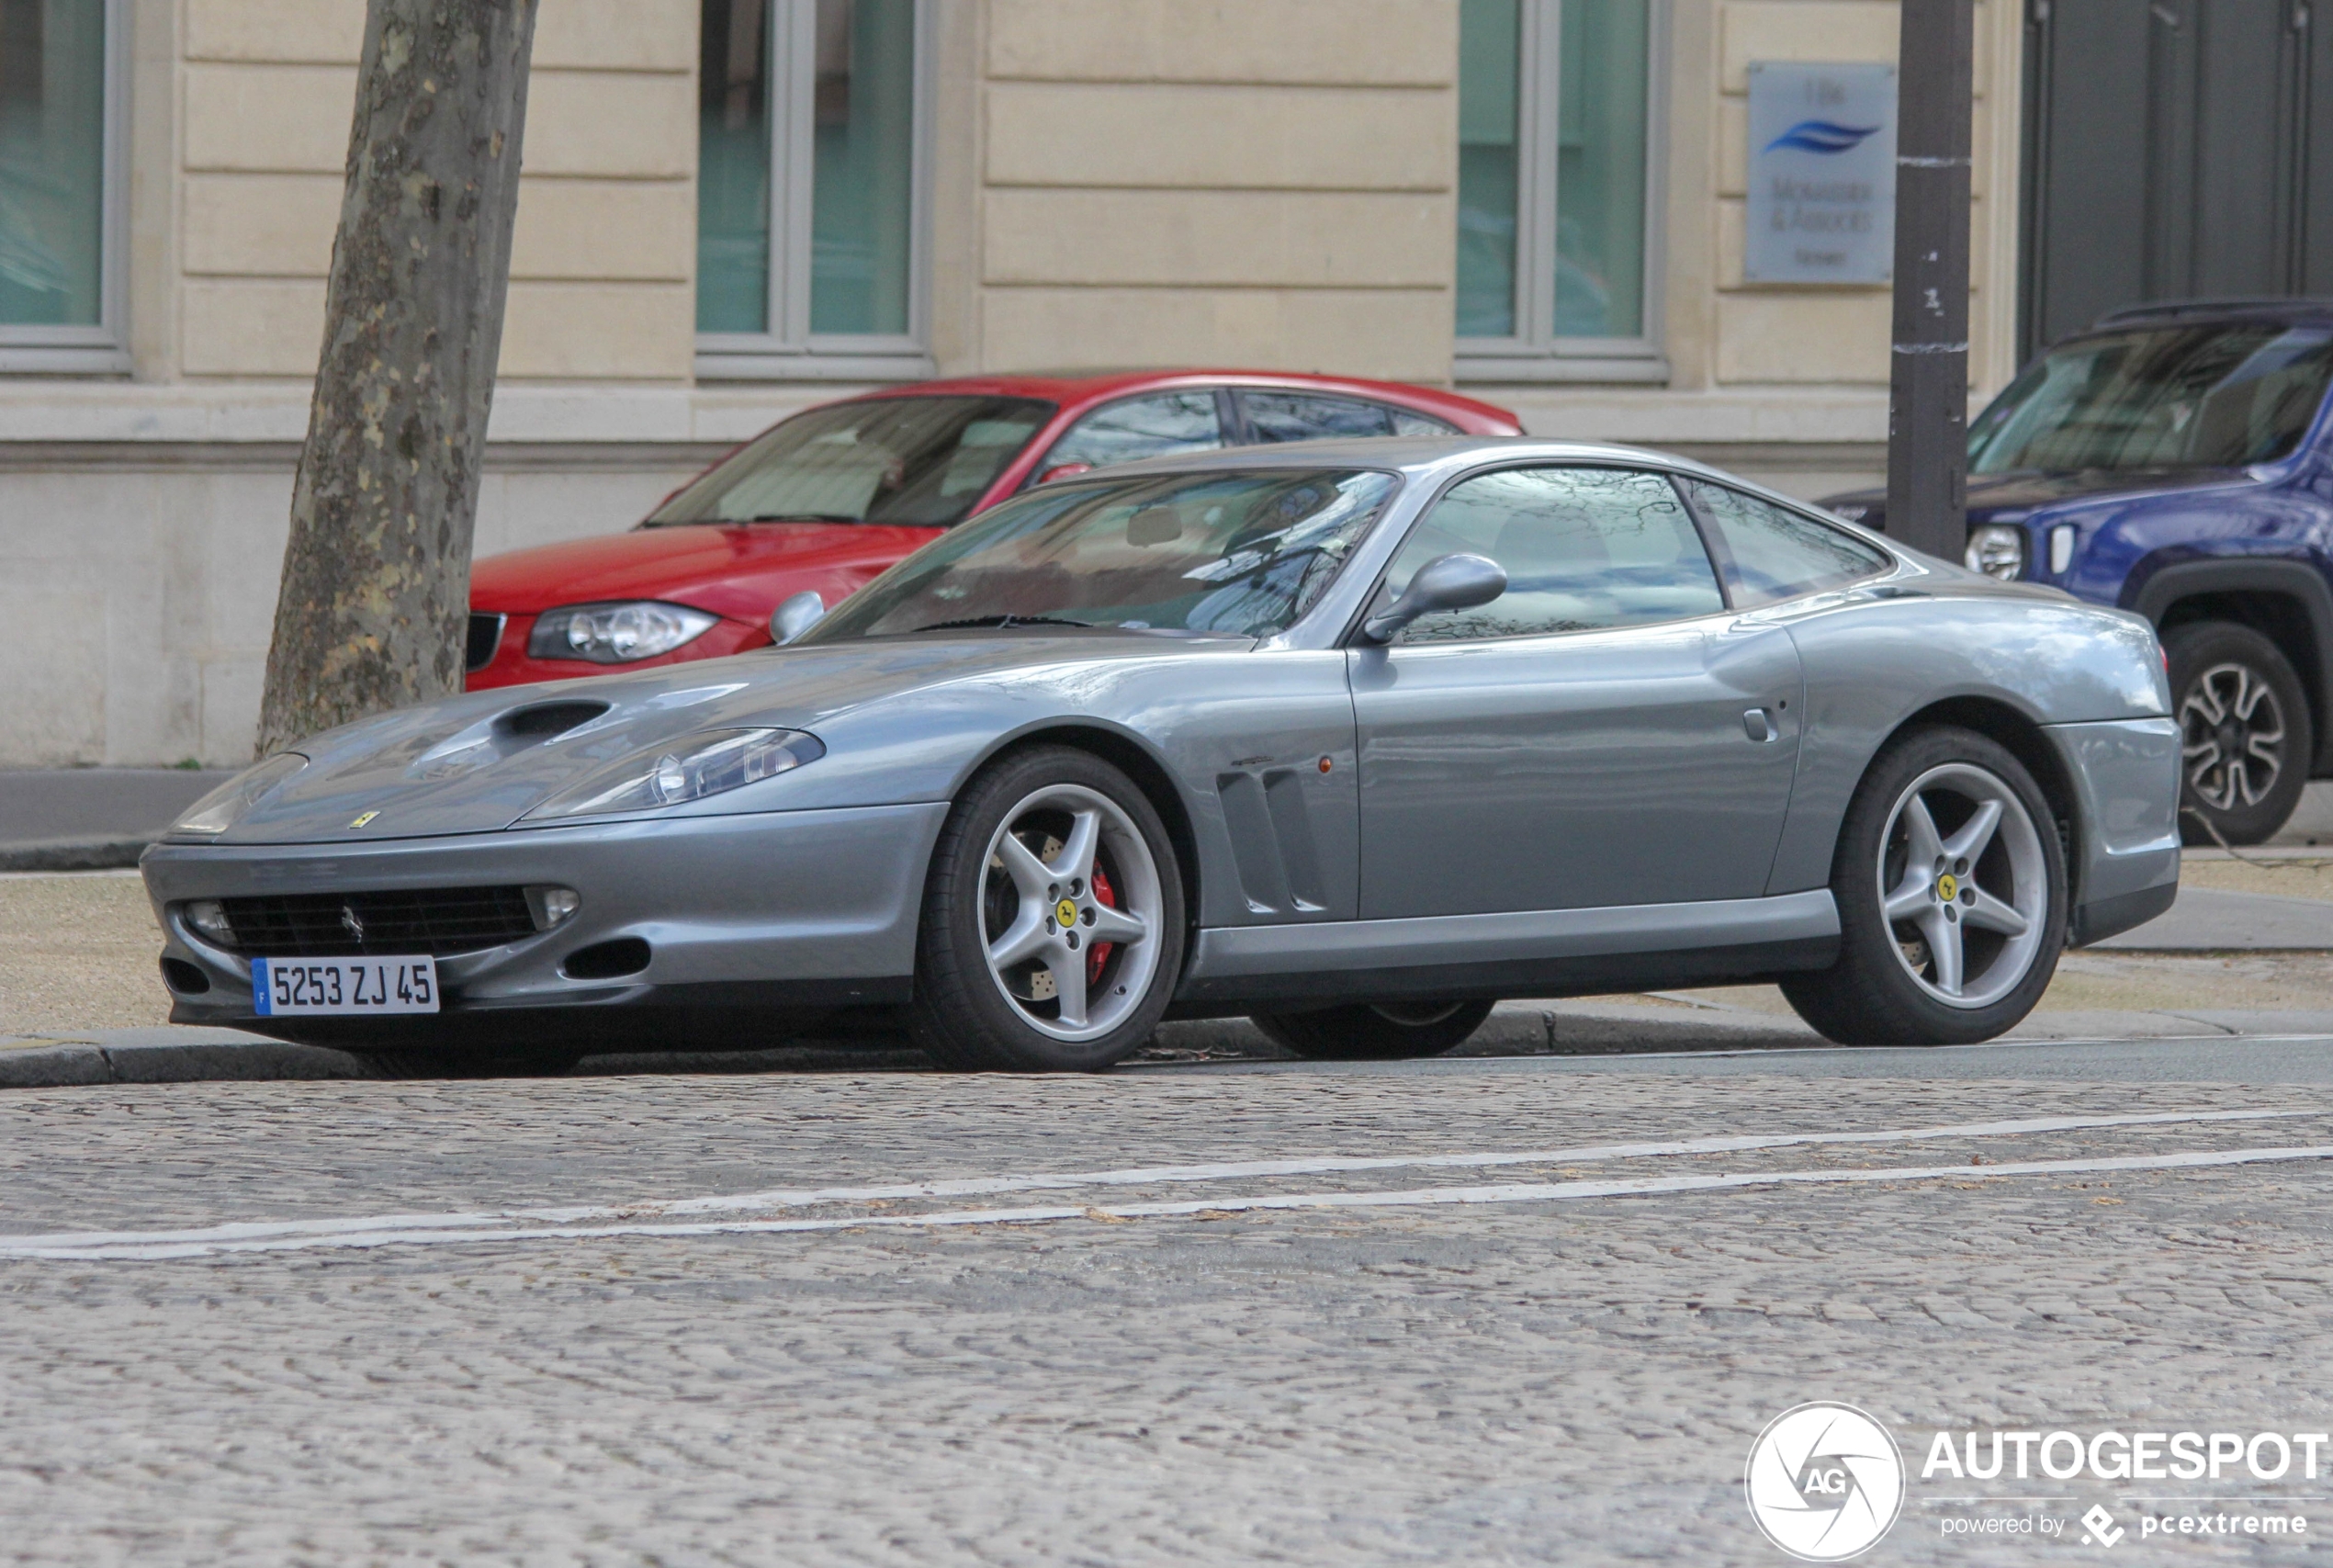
pixel 797 615
pixel 1446 583
pixel 1064 471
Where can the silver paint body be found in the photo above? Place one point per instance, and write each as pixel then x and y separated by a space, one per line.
pixel 1566 812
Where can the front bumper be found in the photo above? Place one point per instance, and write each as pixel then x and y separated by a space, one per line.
pixel 2125 857
pixel 801 908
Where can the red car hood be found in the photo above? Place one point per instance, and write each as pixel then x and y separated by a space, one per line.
pixel 741 570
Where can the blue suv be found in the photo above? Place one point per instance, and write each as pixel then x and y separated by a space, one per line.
pixel 2177 460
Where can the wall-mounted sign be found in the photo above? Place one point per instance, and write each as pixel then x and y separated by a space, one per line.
pixel 1822 174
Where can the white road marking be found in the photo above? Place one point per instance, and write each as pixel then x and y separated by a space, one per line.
pixel 1531 1192
pixel 324 1231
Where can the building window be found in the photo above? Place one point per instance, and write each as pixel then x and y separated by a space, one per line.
pixel 810 191
pixel 59 185
pixel 1559 188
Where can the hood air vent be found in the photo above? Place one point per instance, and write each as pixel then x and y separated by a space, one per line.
pixel 546 719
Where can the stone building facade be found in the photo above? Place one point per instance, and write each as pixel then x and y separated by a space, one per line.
pixel 732 208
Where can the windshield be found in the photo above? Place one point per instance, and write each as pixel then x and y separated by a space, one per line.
pixel 1242 553
pixel 2216 397
pixel 922 462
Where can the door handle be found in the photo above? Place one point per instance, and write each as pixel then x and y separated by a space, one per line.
pixel 1757 724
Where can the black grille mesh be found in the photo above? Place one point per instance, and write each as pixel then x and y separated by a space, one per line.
pixel 439 921
pixel 486 636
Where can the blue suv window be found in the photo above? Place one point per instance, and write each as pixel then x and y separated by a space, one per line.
pixel 2159 397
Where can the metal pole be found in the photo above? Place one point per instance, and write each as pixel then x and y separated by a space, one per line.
pixel 1928 380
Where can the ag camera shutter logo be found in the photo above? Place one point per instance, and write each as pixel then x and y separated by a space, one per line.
pixel 1824 1482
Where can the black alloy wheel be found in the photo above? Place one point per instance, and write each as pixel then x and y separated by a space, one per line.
pixel 2245 738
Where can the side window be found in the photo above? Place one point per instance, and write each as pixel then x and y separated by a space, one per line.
pixel 1778 554
pixel 1407 423
pixel 1140 427
pixel 1583 549
pixel 1309 416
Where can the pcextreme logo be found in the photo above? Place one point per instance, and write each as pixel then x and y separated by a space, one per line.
pixel 1824 1482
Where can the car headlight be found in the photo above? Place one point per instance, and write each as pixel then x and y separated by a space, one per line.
pixel 1997 549
pixel 615 634
pixel 687 770
pixel 224 806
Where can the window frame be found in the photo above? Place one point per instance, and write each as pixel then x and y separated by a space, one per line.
pixel 1533 352
pixel 791 351
pixel 1721 566
pixel 102 349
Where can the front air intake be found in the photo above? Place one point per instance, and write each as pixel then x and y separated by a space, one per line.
pixel 607 960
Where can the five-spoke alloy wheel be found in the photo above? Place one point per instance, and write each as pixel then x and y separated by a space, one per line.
pixel 1951 889
pixel 1053 927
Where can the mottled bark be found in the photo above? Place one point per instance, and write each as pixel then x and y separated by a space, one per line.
pixel 375 584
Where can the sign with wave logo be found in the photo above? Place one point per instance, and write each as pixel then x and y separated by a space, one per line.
pixel 1822 181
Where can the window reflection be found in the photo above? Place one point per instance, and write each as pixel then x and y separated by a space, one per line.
pixel 52 139
pixel 1583 549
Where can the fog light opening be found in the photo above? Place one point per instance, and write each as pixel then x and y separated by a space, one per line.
pixel 607 960
pixel 186 979
pixel 550 905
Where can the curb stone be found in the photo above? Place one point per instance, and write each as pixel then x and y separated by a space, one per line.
pixel 163 1054
pixel 110 853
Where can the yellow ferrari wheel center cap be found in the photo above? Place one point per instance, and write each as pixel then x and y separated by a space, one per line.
pixel 1947 888
pixel 1065 912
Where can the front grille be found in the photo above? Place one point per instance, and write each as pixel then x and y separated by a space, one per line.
pixel 486 636
pixel 440 921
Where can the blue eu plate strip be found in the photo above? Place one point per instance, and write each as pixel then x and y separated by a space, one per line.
pixel 260 987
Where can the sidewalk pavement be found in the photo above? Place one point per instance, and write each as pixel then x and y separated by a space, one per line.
pixel 87 819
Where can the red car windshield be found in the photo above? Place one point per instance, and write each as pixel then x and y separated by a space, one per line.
pixel 916 462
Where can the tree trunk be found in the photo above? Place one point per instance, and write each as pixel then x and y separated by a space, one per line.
pixel 375 585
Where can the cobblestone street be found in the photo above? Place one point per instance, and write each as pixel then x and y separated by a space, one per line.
pixel 1548 1372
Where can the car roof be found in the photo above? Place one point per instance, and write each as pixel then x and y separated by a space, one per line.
pixel 2206 312
pixel 1079 387
pixel 1418 455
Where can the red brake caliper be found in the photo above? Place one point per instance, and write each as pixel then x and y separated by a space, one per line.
pixel 1098 954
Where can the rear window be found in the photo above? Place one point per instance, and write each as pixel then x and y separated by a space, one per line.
pixel 1315 417
pixel 914 461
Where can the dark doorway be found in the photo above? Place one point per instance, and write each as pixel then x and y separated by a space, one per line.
pixel 2173 149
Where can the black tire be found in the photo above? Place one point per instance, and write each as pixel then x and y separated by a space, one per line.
pixel 409 1066
pixel 964 1014
pixel 2218 668
pixel 1887 990
pixel 1363 1031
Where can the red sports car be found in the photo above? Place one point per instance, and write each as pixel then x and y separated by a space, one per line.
pixel 821 503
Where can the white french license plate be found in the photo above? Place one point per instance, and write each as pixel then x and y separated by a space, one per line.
pixel 313 986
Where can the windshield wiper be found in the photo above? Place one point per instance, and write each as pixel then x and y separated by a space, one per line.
pixel 1001 621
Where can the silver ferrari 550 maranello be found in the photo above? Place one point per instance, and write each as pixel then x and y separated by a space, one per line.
pixel 1352 737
